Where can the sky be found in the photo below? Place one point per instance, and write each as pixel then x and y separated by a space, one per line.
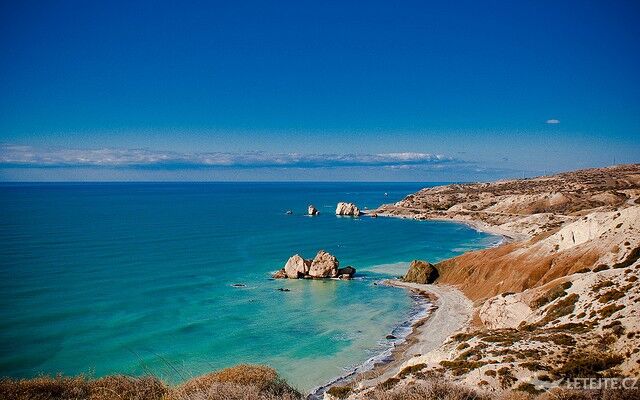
pixel 310 90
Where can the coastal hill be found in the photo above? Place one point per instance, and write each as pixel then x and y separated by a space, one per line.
pixel 559 300
pixel 559 225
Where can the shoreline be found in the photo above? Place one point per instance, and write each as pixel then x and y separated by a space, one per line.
pixel 392 360
pixel 448 312
pixel 478 225
pixel 452 312
pixel 388 358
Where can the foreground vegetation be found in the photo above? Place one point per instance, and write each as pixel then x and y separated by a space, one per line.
pixel 243 382
pixel 247 382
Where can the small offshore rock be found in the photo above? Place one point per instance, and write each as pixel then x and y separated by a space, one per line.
pixel 280 274
pixel 348 270
pixel 239 285
pixel 289 212
pixel 311 210
pixel 390 337
pixel 284 290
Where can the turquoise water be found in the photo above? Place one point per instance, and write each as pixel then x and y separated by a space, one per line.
pixel 137 278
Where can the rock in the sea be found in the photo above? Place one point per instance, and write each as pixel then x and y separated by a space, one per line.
pixel 324 265
pixel 421 272
pixel 347 209
pixel 348 270
pixel 280 274
pixel 390 337
pixel 312 210
pixel 297 267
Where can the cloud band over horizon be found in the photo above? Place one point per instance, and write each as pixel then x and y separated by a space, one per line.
pixel 20 156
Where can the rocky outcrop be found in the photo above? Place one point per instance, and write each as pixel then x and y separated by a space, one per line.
pixel 421 272
pixel 280 274
pixel 312 210
pixel 599 238
pixel 349 271
pixel 324 265
pixel 297 267
pixel 347 209
pixel 525 208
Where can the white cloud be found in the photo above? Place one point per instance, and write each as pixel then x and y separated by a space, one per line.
pixel 31 157
pixel 553 121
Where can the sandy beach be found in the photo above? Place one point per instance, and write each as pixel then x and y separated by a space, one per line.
pixel 451 312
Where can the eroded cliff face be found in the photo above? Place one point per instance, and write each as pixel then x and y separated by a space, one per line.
pixel 598 239
pixel 562 224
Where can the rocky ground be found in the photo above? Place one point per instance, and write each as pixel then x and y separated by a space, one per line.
pixel 559 301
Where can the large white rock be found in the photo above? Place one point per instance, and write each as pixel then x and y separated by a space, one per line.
pixel 312 210
pixel 347 209
pixel 324 265
pixel 297 267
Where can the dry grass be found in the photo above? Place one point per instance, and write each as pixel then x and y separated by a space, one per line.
pixel 340 392
pixel 428 390
pixel 80 388
pixel 588 365
pixel 551 295
pixel 244 382
pixel 560 309
pixel 236 383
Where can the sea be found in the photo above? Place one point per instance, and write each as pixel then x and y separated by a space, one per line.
pixel 173 279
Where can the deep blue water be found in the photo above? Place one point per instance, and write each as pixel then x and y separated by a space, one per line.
pixel 137 278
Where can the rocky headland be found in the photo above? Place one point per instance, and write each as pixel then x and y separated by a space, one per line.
pixel 559 300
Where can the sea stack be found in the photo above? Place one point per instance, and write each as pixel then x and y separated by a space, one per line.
pixel 297 267
pixel 350 209
pixel 312 210
pixel 323 265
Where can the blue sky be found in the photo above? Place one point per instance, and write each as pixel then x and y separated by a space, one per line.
pixel 302 90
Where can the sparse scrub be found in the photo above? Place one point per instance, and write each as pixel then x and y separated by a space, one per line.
pixel 560 309
pixel 601 285
pixel 554 293
pixel 588 365
pixel 609 310
pixel 341 392
pixel 610 296
pixel 428 390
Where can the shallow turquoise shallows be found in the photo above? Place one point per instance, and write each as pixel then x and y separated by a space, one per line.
pixel 138 278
